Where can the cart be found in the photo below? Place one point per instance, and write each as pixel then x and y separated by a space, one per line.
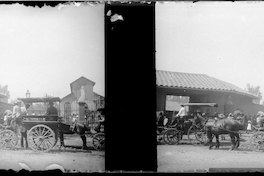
pixel 43 130
pixel 196 132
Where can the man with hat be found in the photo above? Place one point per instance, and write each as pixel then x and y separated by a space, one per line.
pixel 53 112
pixel 230 116
pixel 180 117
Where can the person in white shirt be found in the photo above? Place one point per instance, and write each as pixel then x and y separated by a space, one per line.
pixel 182 112
pixel 7 117
pixel 17 109
pixel 179 116
pixel 230 116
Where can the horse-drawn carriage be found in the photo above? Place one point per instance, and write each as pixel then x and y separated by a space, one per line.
pixel 43 131
pixel 193 125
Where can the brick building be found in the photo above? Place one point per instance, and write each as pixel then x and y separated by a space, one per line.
pixel 81 89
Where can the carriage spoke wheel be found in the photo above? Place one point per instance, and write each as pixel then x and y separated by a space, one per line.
pixel 201 136
pixel 99 141
pixel 41 138
pixel 172 136
pixel 257 141
pixel 8 139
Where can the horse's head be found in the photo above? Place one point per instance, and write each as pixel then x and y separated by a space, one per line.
pixel 200 118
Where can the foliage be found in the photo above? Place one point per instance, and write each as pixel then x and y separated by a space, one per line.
pixel 255 90
pixel 4 90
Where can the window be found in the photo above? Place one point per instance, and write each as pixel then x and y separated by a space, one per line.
pixel 173 103
pixel 67 111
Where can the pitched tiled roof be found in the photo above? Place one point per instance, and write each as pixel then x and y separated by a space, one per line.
pixel 196 81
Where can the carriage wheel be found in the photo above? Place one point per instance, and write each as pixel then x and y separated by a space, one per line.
pixel 8 139
pixel 160 139
pixel 201 136
pixel 172 136
pixel 257 141
pixel 99 141
pixel 41 138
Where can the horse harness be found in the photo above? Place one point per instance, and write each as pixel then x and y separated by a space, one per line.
pixel 219 127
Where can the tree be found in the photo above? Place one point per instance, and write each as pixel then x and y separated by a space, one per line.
pixel 255 90
pixel 4 90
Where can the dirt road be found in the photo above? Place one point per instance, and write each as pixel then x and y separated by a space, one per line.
pixel 191 158
pixel 71 158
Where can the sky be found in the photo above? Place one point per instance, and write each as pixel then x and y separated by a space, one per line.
pixel 44 49
pixel 224 40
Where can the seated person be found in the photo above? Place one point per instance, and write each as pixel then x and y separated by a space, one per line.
pixel 161 119
pixel 101 120
pixel 51 111
pixel 260 120
pixel 7 117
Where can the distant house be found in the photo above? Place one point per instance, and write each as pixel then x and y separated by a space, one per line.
pixel 4 105
pixel 81 90
pixel 201 88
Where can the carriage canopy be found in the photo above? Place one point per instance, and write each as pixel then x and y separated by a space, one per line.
pixel 201 104
pixel 37 100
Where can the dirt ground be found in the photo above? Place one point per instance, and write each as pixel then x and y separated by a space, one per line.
pixel 187 157
pixel 70 159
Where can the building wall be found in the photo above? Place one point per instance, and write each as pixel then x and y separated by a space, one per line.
pixel 161 99
pixel 71 98
pixel 227 102
pixel 69 105
pixel 88 88
pixel 99 101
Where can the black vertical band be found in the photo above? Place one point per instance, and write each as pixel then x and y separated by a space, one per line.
pixel 130 87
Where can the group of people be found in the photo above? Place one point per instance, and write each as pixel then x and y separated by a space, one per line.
pixel 21 109
pixel 91 118
pixel 235 116
pixel 180 117
pixel 163 120
pixel 18 110
pixel 13 119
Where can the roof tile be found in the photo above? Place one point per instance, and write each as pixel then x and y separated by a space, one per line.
pixel 196 81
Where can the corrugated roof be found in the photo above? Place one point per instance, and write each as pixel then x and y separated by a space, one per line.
pixel 196 81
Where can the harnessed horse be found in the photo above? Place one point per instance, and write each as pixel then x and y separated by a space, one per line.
pixel 225 126
pixel 80 128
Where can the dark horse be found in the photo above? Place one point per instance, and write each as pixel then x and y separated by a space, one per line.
pixel 224 126
pixel 79 128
